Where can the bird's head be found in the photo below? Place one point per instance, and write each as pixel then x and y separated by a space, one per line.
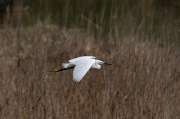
pixel 101 62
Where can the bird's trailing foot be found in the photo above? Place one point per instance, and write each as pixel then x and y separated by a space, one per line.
pixel 54 70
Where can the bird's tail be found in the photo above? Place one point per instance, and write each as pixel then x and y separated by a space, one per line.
pixel 65 65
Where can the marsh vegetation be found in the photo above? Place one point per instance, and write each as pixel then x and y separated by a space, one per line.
pixel 141 42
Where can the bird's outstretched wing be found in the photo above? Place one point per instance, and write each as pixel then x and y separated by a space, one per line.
pixel 81 58
pixel 81 68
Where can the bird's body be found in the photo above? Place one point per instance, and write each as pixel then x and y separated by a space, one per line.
pixel 81 65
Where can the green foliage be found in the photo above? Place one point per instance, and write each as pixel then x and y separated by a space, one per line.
pixel 104 17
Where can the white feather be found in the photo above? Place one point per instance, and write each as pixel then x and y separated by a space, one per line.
pixel 80 58
pixel 81 65
pixel 81 68
pixel 65 65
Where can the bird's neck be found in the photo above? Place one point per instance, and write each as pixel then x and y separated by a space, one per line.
pixel 95 66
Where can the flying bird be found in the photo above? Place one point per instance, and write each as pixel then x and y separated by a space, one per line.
pixel 81 65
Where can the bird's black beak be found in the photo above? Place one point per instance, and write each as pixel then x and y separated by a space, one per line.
pixel 107 63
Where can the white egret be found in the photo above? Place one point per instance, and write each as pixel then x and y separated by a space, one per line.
pixel 81 65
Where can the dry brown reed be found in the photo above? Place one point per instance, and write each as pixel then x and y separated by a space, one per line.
pixel 142 83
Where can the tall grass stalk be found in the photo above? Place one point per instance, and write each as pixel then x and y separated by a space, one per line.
pixel 142 83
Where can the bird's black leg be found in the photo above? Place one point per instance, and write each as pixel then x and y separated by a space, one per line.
pixel 64 69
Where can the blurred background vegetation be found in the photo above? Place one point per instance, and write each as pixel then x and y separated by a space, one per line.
pixel 102 17
pixel 139 37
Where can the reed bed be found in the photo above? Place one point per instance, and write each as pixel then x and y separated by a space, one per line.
pixel 142 45
pixel 143 81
